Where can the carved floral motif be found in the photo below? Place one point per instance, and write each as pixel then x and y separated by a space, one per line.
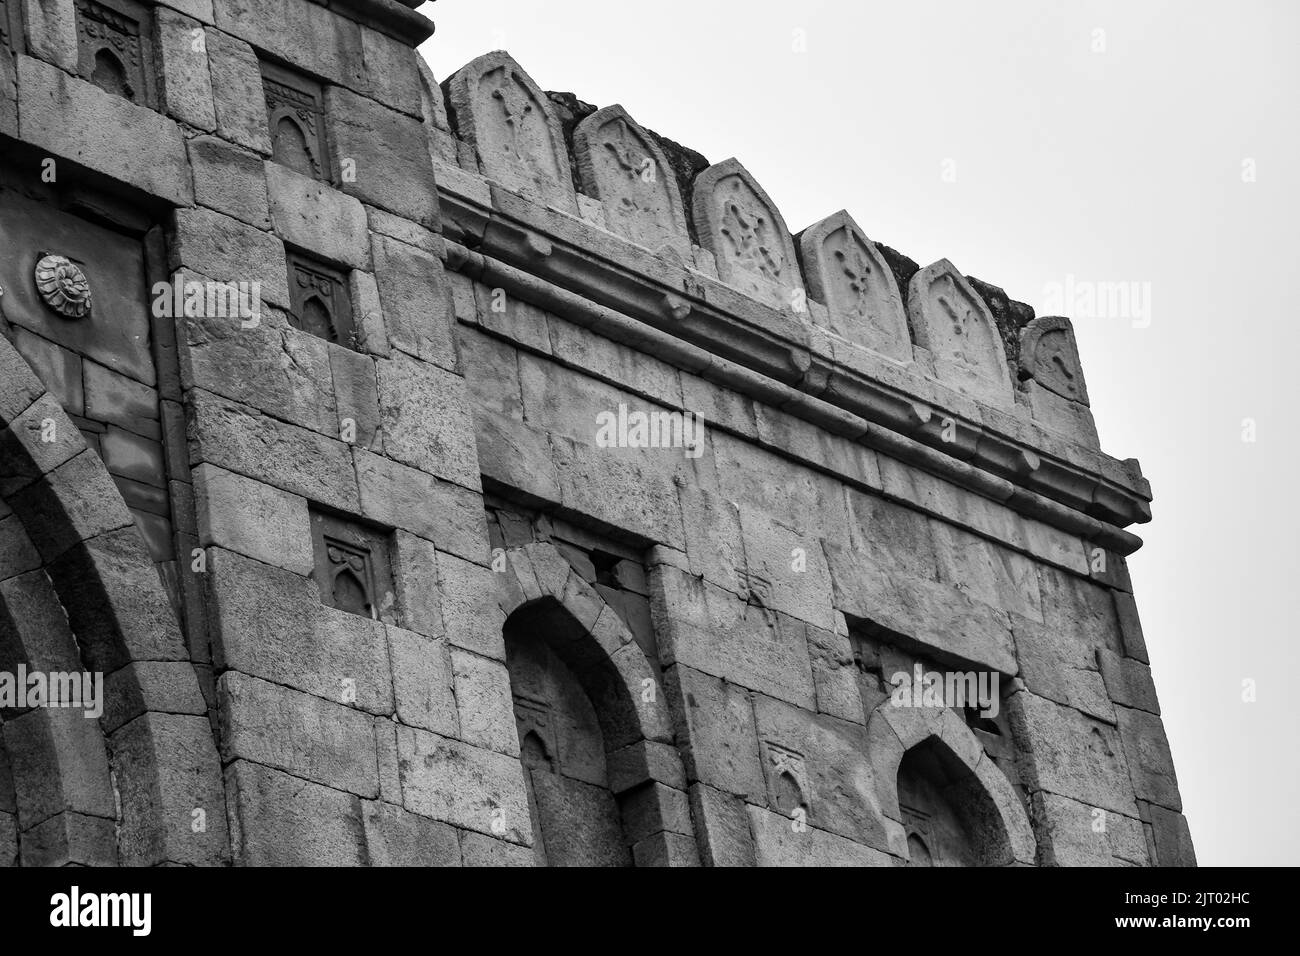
pixel 63 286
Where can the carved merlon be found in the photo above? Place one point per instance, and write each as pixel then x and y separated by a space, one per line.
pixel 845 271
pixel 1049 355
pixel 620 164
pixel 506 117
pixel 953 323
pixel 738 222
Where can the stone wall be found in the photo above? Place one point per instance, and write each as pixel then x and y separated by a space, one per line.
pixel 397 544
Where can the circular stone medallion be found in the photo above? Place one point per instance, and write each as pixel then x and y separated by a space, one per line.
pixel 63 286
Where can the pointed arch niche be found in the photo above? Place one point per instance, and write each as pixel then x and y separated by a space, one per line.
pixel 602 774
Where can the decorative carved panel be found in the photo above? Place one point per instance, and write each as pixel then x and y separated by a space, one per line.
pixel 353 567
pixel 787 777
pixel 115 49
pixel 508 119
pixel 295 116
pixel 1049 354
pixel 321 301
pixel 952 321
pixel 844 270
pixel 620 164
pixel 742 227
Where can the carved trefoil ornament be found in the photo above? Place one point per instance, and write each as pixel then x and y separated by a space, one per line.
pixel 63 286
pixel 620 164
pixel 114 49
pixel 846 272
pixel 741 226
pixel 1053 378
pixel 953 323
pixel 787 776
pixel 506 117
pixel 1049 354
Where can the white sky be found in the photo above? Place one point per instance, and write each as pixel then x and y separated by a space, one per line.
pixel 1119 165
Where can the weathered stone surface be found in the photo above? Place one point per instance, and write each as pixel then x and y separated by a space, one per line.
pixel 716 632
pixel 1075 834
pixel 1173 839
pixel 1057 665
pixel 467 786
pixel 397 837
pixel 329 743
pixel 58 762
pixel 423 682
pixel 228 250
pixel 280 820
pixel 186 79
pixel 51 31
pixel 237 92
pixel 1050 356
pixel 1070 754
pixel 1128 682
pixel 402 497
pixel 1149 761
pixel 415 300
pixel 716 720
pixel 777 844
pixel 387 152
pixel 987 572
pixel 846 271
pixel 308 36
pixel 426 420
pixel 313 216
pixel 622 166
pixel 483 700
pixel 951 320
pixel 479 850
pixel 742 227
pixel 501 112
pixel 81 122
pixel 70 839
pixel 252 518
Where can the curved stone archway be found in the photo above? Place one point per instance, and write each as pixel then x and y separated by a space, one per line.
pixel 631 709
pixel 79 593
pixel 894 732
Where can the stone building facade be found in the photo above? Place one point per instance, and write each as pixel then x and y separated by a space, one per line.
pixel 455 473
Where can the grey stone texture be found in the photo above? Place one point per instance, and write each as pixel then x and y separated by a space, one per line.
pixel 600 648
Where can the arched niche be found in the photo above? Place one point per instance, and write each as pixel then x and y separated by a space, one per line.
pixel 953 804
pixel 79 594
pixel 594 731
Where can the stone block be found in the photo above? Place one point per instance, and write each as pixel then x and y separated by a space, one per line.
pixel 1150 763
pixel 317 218
pixel 426 420
pixel 36 442
pixel 58 762
pixel 390 155
pixel 252 518
pixel 1128 682
pixel 415 301
pixel 70 839
pixel 397 837
pixel 471 615
pixel 128 455
pixel 17 553
pixel 776 843
pixel 987 572
pixel 392 73
pixel 76 501
pixel 479 850
pixel 59 369
pixel 1075 834
pixel 517 456
pixel 835 675
pixel 356 395
pixel 169 687
pixel 715 729
pixel 723 826
pixel 237 438
pixel 423 683
pixel 791 568
pixel 179 750
pixel 237 92
pixel 483 699
pixel 1057 665
pixel 228 250
pixel 1130 627
pixel 280 820
pixel 1070 754
pixel 328 743
pixel 113 397
pixel 1076 606
pixel 308 36
pixel 78 121
pixel 463 785
pixel 1173 839
pixel 51 30
pixel 230 180
pixel 402 497
pixel 183 68
pixel 714 631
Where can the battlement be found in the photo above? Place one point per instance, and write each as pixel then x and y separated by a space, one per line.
pixel 586 199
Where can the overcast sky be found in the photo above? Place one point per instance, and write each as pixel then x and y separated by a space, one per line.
pixel 1151 142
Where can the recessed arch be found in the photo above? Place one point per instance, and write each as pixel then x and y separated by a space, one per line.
pixel 942 751
pixel 577 670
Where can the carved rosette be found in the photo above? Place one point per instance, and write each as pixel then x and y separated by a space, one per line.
pixel 63 286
